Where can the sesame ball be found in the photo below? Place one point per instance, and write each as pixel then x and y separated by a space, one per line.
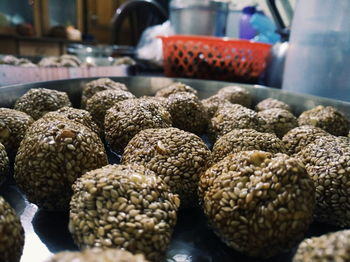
pixel 174 88
pixel 177 156
pixel 13 125
pixel 97 255
pixel 299 137
pixel 327 160
pixel 236 95
pixel 333 246
pixel 101 84
pixel 233 117
pixel 187 112
pixel 270 103
pixel 280 120
pixel 52 155
pixel 11 234
pixel 123 206
pixel 77 115
pixel 100 102
pixel 328 118
pixel 38 101
pixel 244 140
pixel 213 103
pixel 126 118
pixel 4 164
pixel 258 203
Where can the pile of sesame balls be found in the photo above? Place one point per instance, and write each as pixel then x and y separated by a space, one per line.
pixel 267 176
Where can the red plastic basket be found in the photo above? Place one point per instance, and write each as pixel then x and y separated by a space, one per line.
pixel 214 58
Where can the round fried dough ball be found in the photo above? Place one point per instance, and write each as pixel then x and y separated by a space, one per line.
pixel 13 125
pixel 236 116
pixel 38 101
pixel 270 103
pixel 52 155
pixel 327 160
pixel 236 95
pixel 100 102
pixel 258 203
pixel 213 103
pixel 174 88
pixel 187 112
pixel 177 156
pixel 123 206
pixel 4 164
pixel 280 120
pixel 101 84
pixel 126 118
pixel 97 255
pixel 244 140
pixel 328 118
pixel 11 234
pixel 298 138
pixel 333 246
pixel 77 115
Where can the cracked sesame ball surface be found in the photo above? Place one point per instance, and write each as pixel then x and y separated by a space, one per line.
pixel 38 101
pixel 327 161
pixel 176 156
pixel 174 88
pixel 13 125
pixel 123 206
pixel 101 84
pixel 270 103
pixel 80 116
pixel 4 164
pixel 126 118
pixel 233 117
pixel 97 255
pixel 100 102
pixel 52 155
pixel 11 234
pixel 236 95
pixel 328 118
pixel 258 203
pixel 244 140
pixel 280 120
pixel 330 247
pixel 187 112
pixel 298 138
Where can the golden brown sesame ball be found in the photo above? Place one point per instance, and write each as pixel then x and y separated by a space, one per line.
pixel 4 164
pixel 270 103
pixel 328 118
pixel 330 247
pixel 233 117
pixel 298 138
pixel 187 112
pixel 174 88
pixel 327 160
pixel 52 155
pixel 126 118
pixel 236 95
pixel 244 140
pixel 100 102
pixel 77 115
pixel 213 103
pixel 97 255
pixel 123 206
pixel 280 120
pixel 13 125
pixel 38 101
pixel 101 84
pixel 177 156
pixel 11 234
pixel 258 203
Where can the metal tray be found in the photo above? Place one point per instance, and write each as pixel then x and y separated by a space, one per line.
pixel 193 241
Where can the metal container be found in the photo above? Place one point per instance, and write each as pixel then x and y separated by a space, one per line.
pixel 193 240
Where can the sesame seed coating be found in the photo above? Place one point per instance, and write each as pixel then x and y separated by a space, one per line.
pixel 4 164
pixel 174 88
pixel 270 103
pixel 236 95
pixel 212 104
